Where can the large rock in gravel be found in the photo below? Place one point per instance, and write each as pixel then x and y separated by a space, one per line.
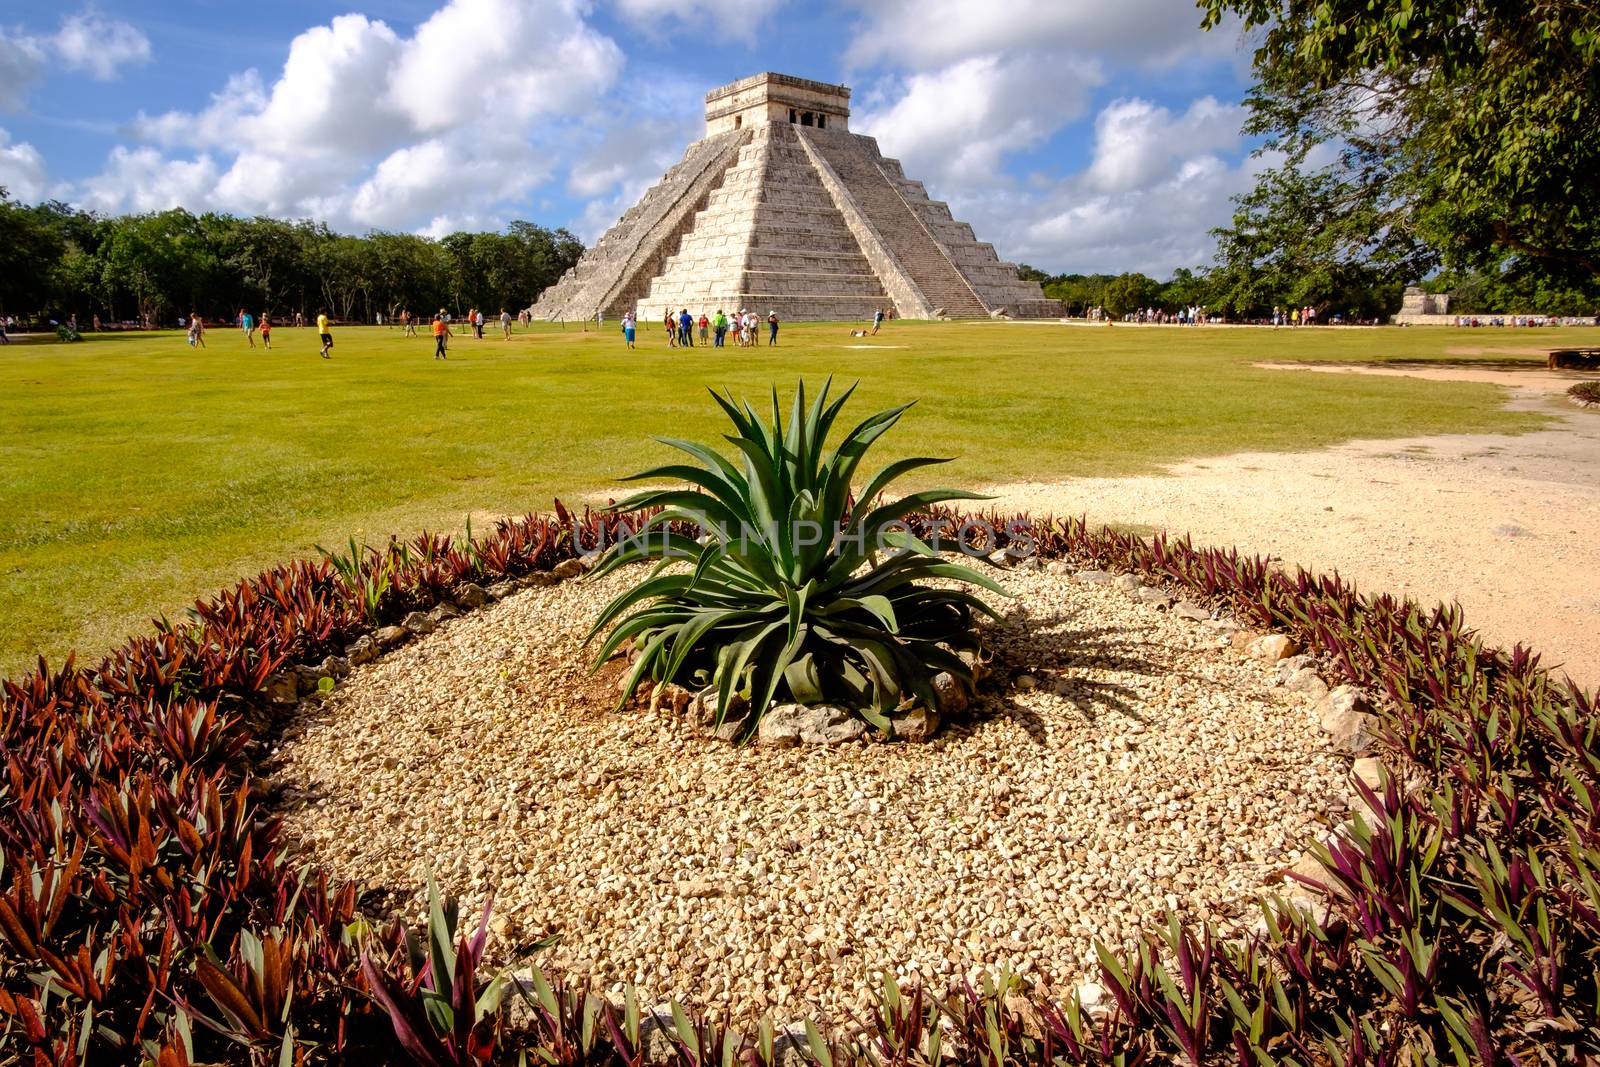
pixel 568 568
pixel 1273 647
pixel 786 725
pixel 732 729
pixel 1159 599
pixel 1287 667
pixel 914 724
pixel 418 623
pixel 780 726
pixel 702 709
pixel 671 697
pixel 954 698
pixel 363 650
pixel 1307 682
pixel 471 596
pixel 389 636
pixel 1188 609
pixel 537 579
pixel 1368 771
pixel 658 1035
pixel 1347 716
pixel 282 688
pixel 828 725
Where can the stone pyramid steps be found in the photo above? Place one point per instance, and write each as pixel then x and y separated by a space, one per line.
pixel 902 231
pixel 615 272
pixel 781 208
pixel 770 238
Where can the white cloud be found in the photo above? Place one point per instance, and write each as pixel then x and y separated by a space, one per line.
pixel 22 172
pixel 366 127
pixel 142 179
pixel 919 34
pixel 501 61
pixel 1151 229
pixel 737 18
pixel 84 42
pixel 218 125
pixel 954 126
pixel 1136 141
pixel 406 184
pixel 99 46
pixel 21 66
pixel 1148 199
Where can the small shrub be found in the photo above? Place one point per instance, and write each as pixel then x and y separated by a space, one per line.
pixel 1586 393
pixel 776 602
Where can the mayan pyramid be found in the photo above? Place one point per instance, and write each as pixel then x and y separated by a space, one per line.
pixel 780 207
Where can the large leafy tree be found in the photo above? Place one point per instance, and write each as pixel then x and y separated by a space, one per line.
pixel 1130 292
pixel 1296 240
pixel 1469 125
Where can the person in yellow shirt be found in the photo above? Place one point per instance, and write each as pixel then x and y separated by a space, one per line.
pixel 322 328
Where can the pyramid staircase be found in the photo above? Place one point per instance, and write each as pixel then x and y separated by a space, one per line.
pixel 781 208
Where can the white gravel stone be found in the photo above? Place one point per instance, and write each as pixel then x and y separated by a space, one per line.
pixel 1148 768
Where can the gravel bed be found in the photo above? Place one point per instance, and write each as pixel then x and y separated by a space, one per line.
pixel 1148 767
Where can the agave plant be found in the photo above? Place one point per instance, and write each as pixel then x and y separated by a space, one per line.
pixel 797 588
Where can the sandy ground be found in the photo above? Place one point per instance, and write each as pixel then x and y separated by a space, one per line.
pixel 1509 526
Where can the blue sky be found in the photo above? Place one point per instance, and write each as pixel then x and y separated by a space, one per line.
pixel 1074 135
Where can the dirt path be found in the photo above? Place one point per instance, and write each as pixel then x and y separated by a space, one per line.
pixel 1509 526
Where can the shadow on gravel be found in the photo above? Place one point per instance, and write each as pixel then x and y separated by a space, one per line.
pixel 1057 651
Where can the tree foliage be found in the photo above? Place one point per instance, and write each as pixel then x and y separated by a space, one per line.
pixel 1466 127
pixel 57 261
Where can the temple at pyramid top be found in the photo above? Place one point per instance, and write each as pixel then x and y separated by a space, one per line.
pixel 767 98
pixel 779 207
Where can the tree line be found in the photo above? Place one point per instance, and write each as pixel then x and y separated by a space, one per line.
pixel 1239 288
pixel 59 262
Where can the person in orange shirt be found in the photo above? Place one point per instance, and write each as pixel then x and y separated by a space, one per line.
pixel 440 333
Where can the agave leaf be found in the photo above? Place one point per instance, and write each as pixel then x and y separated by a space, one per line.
pixel 805 686
pixel 883 478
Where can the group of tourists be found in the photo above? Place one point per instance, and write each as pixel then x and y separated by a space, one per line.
pixel 1303 316
pixel 248 324
pixel 1193 315
pixel 744 326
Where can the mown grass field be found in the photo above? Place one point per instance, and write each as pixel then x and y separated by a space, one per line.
pixel 137 473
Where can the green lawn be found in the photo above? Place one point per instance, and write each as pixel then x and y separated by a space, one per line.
pixel 139 473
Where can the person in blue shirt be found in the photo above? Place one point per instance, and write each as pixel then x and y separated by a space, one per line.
pixel 685 329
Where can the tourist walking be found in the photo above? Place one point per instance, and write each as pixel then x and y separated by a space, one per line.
pixel 197 331
pixel 705 326
pixel 772 327
pixel 685 329
pixel 323 332
pixel 247 323
pixel 408 322
pixel 505 324
pixel 441 334
pixel 752 329
pixel 629 326
pixel 266 331
pixel 672 329
pixel 877 320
